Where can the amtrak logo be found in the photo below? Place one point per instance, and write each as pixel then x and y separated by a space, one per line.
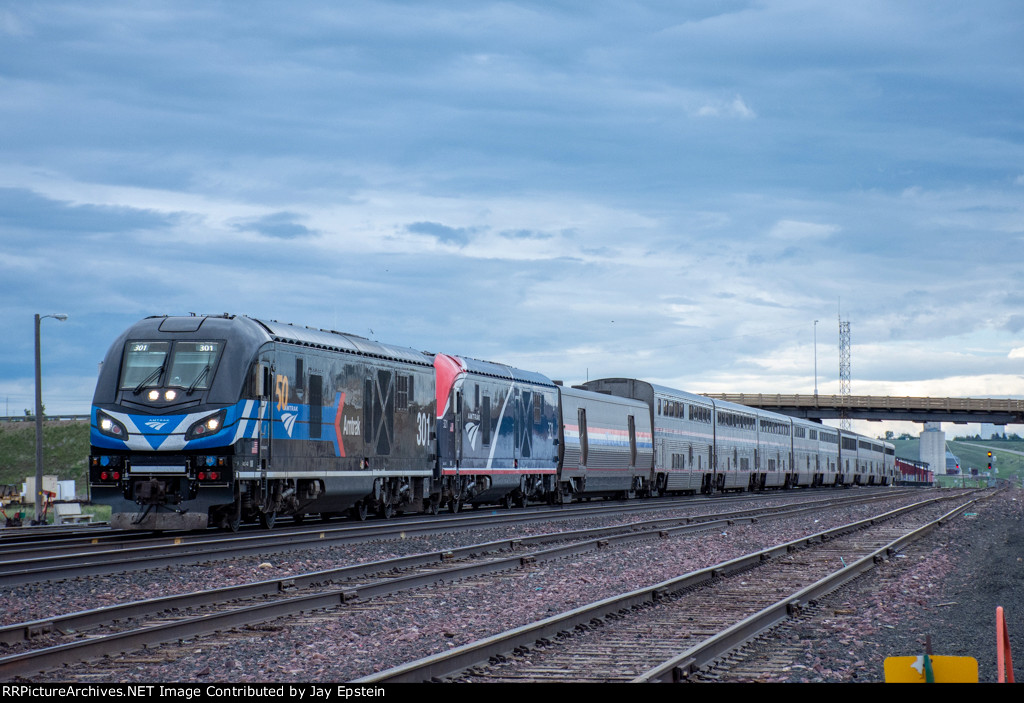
pixel 157 425
pixel 288 420
pixel 472 431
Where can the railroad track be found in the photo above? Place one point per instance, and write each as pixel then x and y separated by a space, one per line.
pixel 671 630
pixel 11 535
pixel 56 539
pixel 75 637
pixel 24 563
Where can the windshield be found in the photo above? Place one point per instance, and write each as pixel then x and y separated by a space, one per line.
pixel 185 365
pixel 143 362
pixel 192 364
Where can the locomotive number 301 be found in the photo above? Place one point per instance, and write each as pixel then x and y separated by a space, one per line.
pixel 423 431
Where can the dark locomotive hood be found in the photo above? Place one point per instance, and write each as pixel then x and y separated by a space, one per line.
pixel 242 339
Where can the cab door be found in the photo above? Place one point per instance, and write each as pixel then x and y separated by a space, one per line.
pixel 267 391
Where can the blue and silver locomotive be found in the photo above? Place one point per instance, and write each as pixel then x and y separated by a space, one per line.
pixel 216 420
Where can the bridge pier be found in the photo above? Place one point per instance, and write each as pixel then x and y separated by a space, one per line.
pixel 933 447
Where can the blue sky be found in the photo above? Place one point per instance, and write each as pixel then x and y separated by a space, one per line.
pixel 673 191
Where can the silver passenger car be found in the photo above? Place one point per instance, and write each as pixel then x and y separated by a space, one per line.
pixel 605 445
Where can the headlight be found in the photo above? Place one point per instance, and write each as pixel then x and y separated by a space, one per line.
pixel 109 426
pixel 206 426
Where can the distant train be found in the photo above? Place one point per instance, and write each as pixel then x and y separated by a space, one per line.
pixel 913 473
pixel 218 420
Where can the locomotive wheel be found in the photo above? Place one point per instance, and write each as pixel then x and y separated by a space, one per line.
pixel 268 519
pixel 434 506
pixel 386 510
pixel 231 518
pixel 455 505
pixel 508 501
pixel 360 511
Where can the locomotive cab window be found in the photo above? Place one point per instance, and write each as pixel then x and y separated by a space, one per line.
pixel 192 364
pixel 181 364
pixel 143 364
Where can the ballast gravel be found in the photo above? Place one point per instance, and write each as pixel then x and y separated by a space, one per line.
pixel 944 589
pixel 884 612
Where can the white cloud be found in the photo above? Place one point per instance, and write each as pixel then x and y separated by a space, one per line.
pixel 580 188
pixel 740 109
pixel 981 386
pixel 736 108
pixel 794 230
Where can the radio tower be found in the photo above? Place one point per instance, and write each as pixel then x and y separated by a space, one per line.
pixel 844 372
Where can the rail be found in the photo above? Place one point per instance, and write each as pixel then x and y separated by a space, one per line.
pixel 457 660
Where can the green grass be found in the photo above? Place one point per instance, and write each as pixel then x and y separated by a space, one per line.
pixel 961 481
pixel 973 453
pixel 100 513
pixel 65 452
pixel 1006 464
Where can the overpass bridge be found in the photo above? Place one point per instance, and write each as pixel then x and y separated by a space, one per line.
pixel 997 411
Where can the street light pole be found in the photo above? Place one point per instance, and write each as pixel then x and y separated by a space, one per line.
pixel 39 419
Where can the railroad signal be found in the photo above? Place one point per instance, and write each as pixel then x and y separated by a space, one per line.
pixel 990 460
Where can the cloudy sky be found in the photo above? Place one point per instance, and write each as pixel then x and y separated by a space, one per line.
pixel 669 190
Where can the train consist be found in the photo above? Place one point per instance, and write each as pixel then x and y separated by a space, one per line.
pixel 217 420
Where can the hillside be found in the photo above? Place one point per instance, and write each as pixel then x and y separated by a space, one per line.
pixel 909 449
pixel 1009 455
pixel 65 451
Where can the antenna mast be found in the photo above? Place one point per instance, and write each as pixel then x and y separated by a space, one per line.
pixel 844 373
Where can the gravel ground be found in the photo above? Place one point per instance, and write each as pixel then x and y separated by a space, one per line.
pixel 365 637
pixel 947 587
pixel 37 601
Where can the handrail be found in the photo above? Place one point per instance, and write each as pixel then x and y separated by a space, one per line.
pixel 871 401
